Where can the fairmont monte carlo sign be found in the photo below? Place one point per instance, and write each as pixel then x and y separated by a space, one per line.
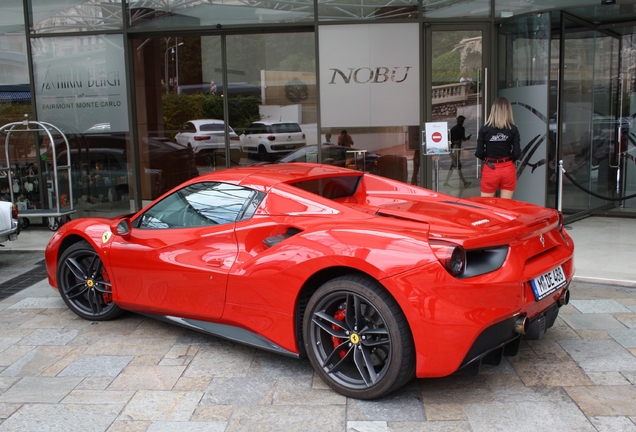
pixel 369 75
pixel 76 89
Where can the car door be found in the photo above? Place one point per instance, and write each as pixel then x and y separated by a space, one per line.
pixel 186 134
pixel 248 136
pixel 178 255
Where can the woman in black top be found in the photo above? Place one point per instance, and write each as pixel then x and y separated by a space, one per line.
pixel 498 146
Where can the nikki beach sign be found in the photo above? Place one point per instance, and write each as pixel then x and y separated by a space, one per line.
pixel 76 89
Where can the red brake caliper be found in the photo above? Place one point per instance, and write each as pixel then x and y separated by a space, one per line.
pixel 340 316
pixel 107 296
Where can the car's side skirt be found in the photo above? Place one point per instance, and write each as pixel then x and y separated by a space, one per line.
pixel 224 331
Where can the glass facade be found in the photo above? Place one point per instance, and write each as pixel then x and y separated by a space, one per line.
pixel 151 93
pixel 56 16
pixel 457 89
pixel 15 103
pixel 170 14
pixel 524 45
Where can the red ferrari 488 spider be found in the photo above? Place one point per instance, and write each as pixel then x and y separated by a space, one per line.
pixel 374 280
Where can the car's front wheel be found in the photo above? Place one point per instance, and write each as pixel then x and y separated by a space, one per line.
pixel 84 284
pixel 357 338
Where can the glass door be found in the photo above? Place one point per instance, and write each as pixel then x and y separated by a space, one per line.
pixel 457 94
pixel 590 125
pixel 626 151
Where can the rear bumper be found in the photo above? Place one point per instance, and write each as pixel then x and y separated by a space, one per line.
pixel 12 233
pixel 504 338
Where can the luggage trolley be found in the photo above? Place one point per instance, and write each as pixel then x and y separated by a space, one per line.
pixel 40 179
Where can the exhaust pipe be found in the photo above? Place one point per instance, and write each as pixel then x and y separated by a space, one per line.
pixel 521 325
pixel 565 298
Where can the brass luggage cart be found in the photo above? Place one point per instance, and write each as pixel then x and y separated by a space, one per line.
pixel 36 175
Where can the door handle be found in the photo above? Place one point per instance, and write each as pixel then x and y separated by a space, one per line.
pixel 215 262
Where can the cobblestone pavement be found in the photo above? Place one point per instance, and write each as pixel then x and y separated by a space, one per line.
pixel 61 373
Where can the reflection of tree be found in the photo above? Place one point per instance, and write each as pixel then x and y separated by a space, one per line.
pixel 447 41
pixel 446 68
pixel 247 55
pixel 456 55
pixel 472 62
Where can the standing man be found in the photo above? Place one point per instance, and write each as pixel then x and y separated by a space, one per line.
pixel 457 136
pixel 344 139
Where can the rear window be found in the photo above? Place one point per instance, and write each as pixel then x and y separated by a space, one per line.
pixel 285 128
pixel 331 187
pixel 212 127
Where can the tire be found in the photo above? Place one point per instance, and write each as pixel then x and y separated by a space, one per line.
pixel 262 154
pixel 364 355
pixel 54 223
pixel 84 284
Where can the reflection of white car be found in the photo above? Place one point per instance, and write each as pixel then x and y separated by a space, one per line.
pixel 9 225
pixel 202 135
pixel 272 139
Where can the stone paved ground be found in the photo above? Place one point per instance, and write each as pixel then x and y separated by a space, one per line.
pixel 61 373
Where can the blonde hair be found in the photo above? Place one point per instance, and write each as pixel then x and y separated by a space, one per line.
pixel 501 114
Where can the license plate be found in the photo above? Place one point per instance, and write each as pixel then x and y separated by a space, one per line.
pixel 548 283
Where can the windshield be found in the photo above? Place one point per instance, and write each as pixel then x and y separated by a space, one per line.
pixel 285 127
pixel 212 127
pixel 304 154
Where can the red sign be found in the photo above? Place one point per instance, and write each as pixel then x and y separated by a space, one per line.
pixel 436 137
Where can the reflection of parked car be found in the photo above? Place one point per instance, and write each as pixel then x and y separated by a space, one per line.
pixel 9 225
pixel 374 280
pixel 100 174
pixel 203 135
pixel 174 161
pixel 235 89
pixel 269 140
pixel 157 154
pixel 333 155
pixel 391 166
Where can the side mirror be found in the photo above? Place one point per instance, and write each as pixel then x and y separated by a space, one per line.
pixel 121 227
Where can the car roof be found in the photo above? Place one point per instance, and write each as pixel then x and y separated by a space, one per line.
pixel 206 121
pixel 268 123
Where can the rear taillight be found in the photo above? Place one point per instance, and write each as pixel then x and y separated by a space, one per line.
pixel 271 138
pixel 561 226
pixel 451 256
pixel 14 211
pixel 202 138
pixel 303 136
pixel 235 138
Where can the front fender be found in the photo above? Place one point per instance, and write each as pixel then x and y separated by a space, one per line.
pixel 92 230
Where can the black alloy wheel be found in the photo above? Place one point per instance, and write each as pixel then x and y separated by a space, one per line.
pixel 84 284
pixel 358 339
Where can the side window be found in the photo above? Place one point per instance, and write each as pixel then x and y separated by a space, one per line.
pixel 201 204
pixel 189 127
pixel 249 130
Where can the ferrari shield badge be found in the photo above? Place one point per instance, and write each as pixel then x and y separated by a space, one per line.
pixel 106 236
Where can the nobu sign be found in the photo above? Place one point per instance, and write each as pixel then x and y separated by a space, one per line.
pixel 370 75
pixel 365 75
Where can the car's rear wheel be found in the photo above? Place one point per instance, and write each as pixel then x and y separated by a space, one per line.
pixel 84 284
pixel 262 153
pixel 357 338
